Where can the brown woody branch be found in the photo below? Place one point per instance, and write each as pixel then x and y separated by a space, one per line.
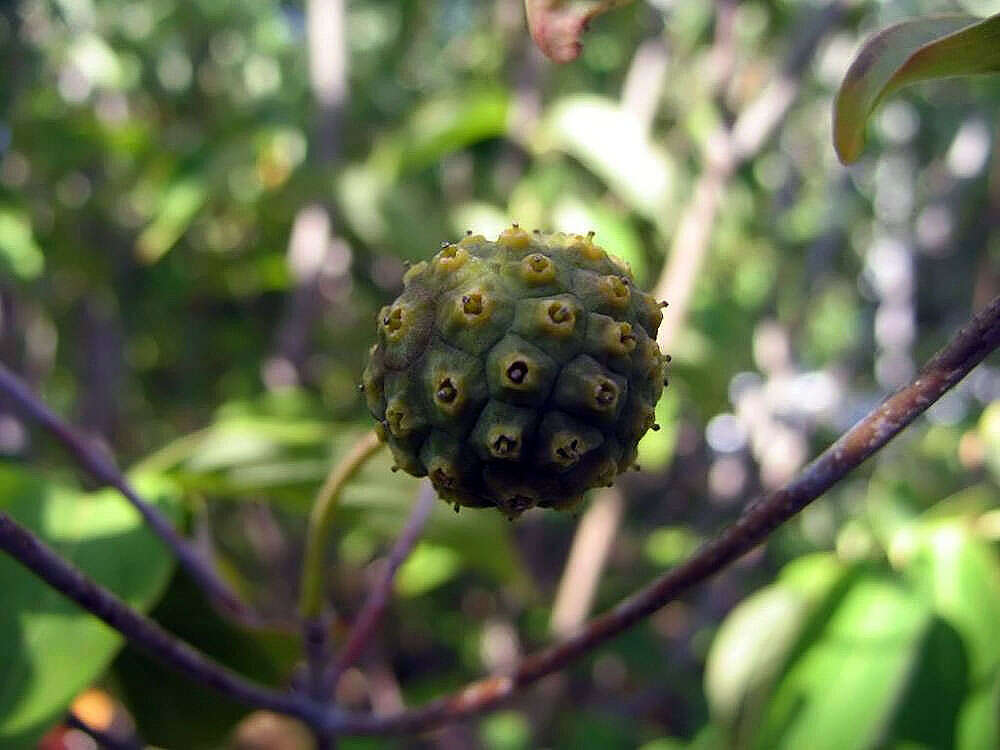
pixel 378 598
pixel 101 467
pixel 143 633
pixel 967 348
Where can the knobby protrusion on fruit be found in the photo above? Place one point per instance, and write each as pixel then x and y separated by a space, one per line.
pixel 516 373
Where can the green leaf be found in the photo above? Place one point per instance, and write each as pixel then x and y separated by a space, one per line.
pixel 929 711
pixel 448 124
pixel 178 207
pixel 428 567
pixel 49 648
pixel 19 252
pixel 172 710
pixel 917 50
pixel 757 638
pixel 979 720
pixel 283 460
pixel 842 690
pixel 960 576
pixel 989 433
pixel 670 545
pixel 612 143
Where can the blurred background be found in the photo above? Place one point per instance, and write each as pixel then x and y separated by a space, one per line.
pixel 202 205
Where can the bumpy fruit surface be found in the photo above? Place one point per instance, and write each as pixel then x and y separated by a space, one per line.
pixel 516 373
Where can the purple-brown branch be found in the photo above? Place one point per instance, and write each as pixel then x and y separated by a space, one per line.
pixel 967 348
pixel 378 598
pixel 104 738
pixel 142 632
pixel 96 463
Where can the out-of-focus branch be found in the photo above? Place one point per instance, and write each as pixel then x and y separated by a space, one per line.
pixel 592 543
pixel 967 348
pixel 317 258
pixel 378 598
pixel 328 63
pixel 725 152
pixel 102 468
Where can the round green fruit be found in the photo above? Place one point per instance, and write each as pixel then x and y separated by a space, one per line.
pixel 516 373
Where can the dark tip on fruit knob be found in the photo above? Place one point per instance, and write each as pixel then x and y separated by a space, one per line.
pixel 517 371
pixel 504 445
pixel 468 232
pixel 446 391
pixel 472 304
pixel 655 428
pixel 605 393
pixel 559 313
pixel 590 234
pixel 393 321
pixel 442 478
pixel 394 468
pixel 569 452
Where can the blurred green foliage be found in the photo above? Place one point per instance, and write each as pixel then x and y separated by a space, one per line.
pixel 158 160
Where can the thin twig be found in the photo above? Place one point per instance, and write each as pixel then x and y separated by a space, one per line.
pixel 965 350
pixel 316 640
pixel 142 632
pixel 105 739
pixel 96 463
pixel 315 631
pixel 321 517
pixel 378 598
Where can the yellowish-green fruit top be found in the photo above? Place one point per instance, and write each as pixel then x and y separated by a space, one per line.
pixel 516 373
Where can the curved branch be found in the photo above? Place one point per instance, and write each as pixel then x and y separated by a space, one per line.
pixel 967 348
pixel 321 517
pixel 378 598
pixel 100 466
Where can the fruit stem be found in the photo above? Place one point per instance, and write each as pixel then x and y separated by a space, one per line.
pixel 311 592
